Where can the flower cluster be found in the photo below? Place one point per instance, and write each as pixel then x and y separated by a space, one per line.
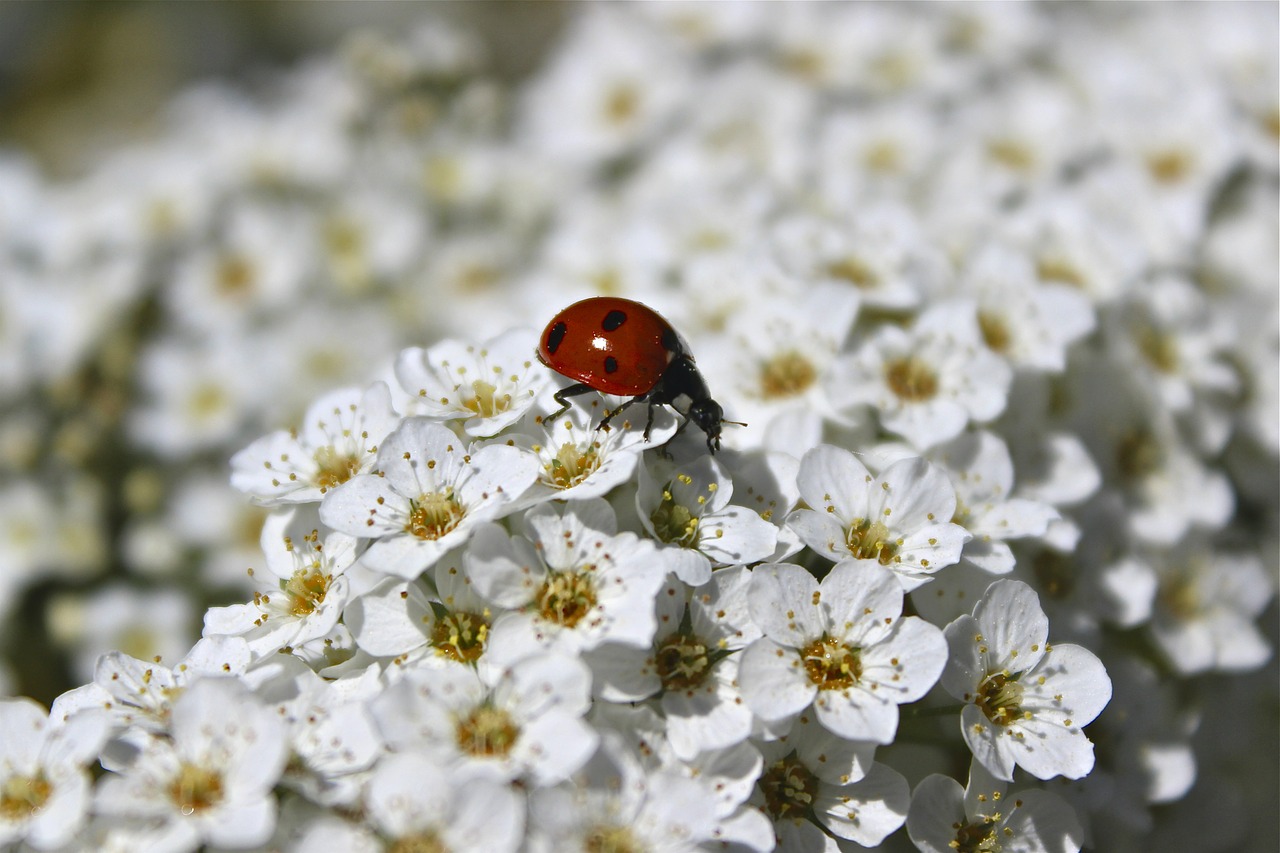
pixel 994 289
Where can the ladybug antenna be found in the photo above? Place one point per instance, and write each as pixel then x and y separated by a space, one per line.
pixel 735 423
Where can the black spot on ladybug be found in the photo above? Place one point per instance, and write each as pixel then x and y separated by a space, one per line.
pixel 670 340
pixel 610 364
pixel 555 336
pixel 613 320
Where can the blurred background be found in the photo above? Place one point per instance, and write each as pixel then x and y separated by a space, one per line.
pixel 80 81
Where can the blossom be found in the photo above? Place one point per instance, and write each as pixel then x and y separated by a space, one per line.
pixel 945 817
pixel 339 439
pixel 428 493
pixel 44 783
pixel 1026 701
pixel 900 520
pixel 928 382
pixel 687 510
pixel 487 387
pixel 211 782
pixel 842 646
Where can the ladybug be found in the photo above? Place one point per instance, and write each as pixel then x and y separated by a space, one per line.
pixel 621 347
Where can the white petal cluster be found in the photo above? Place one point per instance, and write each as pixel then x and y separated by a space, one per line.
pixel 994 290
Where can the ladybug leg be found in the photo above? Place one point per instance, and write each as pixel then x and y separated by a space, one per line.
pixel 562 396
pixel 608 416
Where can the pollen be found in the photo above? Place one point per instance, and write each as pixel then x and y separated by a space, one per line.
pixel 434 515
pixel 868 540
pixel 23 796
pixel 306 590
pixel 334 468
pixel 787 374
pixel 831 664
pixel 911 379
pixel 789 789
pixel 674 523
pixel 571 465
pixel 1000 698
pixel 855 271
pixel 195 789
pixel 485 400
pixel 566 598
pixel 682 662
pixel 487 731
pixel 995 331
pixel 460 636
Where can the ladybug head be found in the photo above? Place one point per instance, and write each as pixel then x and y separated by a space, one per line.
pixel 708 415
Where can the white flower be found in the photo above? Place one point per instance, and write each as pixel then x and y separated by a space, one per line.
pixel 44 786
pixel 795 790
pixel 428 493
pixel 900 520
pixel 488 387
pixel 780 353
pixel 579 461
pixel 147 624
pixel 614 804
pixel 945 817
pixel 419 804
pixel 1205 607
pixel 338 440
pixel 687 510
pixel 1026 702
pixel 301 594
pixel 928 382
pixel 982 473
pixel 842 646
pixel 1028 322
pixel 141 694
pixel 519 722
pixel 608 89
pixel 572 585
pixel 331 735
pixel 210 781
pixel 692 664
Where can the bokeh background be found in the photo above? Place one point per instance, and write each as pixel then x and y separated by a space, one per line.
pixel 109 541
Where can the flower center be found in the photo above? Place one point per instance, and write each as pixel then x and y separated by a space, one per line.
pixel 674 523
pixel 1138 454
pixel 1054 268
pixel 883 156
pixel 434 514
pixel 1013 154
pixel 831 664
pixel 486 403
pixel 1178 595
pixel 567 597
pixel 23 796
pixel 334 468
pixel 682 662
pixel 787 374
pixel 976 838
pixel 572 464
pixel 487 731
pixel 911 379
pixel 1000 698
pixel 789 789
pixel 460 636
pixel 869 540
pixel 1159 349
pixel 622 103
pixel 195 789
pixel 234 276
pixel 611 839
pixel 207 401
pixel 306 590
pixel 855 271
pixel 423 842
pixel 994 331
pixel 1169 166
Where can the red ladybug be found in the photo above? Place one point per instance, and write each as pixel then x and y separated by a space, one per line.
pixel 617 346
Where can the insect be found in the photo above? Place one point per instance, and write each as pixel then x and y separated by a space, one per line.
pixel 621 347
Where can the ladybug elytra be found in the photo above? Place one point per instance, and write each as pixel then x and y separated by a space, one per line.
pixel 621 347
